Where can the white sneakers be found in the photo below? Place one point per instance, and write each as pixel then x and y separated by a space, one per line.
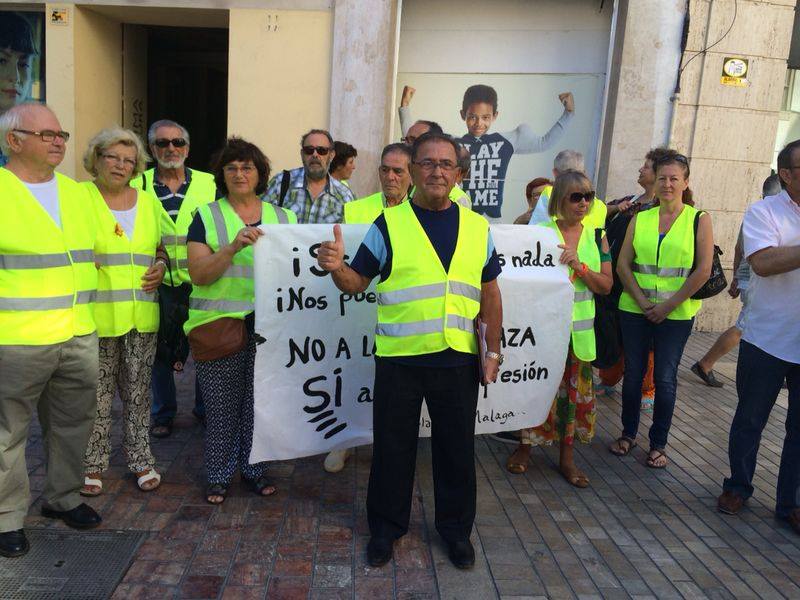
pixel 335 460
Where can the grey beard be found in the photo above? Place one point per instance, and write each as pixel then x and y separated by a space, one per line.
pixel 170 164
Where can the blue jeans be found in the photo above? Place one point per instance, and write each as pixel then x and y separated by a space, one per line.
pixel 165 405
pixel 759 377
pixel 667 339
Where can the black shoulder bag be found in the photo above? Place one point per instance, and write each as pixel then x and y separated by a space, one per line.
pixel 607 336
pixel 285 181
pixel 716 281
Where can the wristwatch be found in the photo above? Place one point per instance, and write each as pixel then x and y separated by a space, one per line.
pixel 496 356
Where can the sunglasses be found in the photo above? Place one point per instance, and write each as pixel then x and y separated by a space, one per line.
pixel 576 197
pixel 321 150
pixel 46 135
pixel 164 142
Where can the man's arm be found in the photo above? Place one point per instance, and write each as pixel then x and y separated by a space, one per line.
pixel 331 258
pixel 525 140
pixel 492 317
pixel 406 120
pixel 775 260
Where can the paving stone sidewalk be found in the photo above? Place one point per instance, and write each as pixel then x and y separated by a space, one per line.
pixel 635 533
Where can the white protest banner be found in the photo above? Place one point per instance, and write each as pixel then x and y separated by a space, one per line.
pixel 314 374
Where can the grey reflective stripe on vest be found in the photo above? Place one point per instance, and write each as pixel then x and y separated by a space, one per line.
pixel 182 263
pixel 406 329
pixel 583 325
pixel 173 239
pixel 228 306
pixel 661 272
pixel 219 224
pixel 464 289
pixel 82 256
pixel 86 296
pixel 419 292
pixel 120 259
pixel 583 295
pixel 282 217
pixel 243 271
pixel 459 322
pixel 142 296
pixel 51 303
pixel 33 261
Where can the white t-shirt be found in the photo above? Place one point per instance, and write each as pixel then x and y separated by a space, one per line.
pixel 47 195
pixel 126 219
pixel 773 317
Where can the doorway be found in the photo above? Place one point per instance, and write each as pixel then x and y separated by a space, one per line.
pixel 187 81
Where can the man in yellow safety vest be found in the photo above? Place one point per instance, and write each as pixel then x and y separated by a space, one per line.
pixel 48 340
pixel 438 269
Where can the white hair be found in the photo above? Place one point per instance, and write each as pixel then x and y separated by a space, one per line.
pixel 151 133
pixel 568 160
pixel 12 119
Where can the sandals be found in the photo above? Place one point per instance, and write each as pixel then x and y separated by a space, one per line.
pixel 90 482
pixel 161 430
pixel 260 484
pixel 517 463
pixel 216 489
pixel 654 456
pixel 575 477
pixel 623 446
pixel 149 475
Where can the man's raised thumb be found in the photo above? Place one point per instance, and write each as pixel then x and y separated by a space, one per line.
pixel 337 234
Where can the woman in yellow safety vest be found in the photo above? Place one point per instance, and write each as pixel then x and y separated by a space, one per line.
pixel 665 258
pixel 131 264
pixel 585 252
pixel 221 324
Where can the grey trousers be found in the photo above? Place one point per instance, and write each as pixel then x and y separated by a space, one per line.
pixel 60 382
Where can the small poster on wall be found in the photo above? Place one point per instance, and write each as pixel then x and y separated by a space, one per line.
pixel 21 59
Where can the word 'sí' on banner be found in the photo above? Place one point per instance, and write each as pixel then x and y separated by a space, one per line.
pixel 314 374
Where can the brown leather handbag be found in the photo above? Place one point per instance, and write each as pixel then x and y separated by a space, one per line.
pixel 218 339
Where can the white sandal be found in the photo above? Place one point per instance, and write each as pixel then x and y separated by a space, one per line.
pixel 87 482
pixel 149 476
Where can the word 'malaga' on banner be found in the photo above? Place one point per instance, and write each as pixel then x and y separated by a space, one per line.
pixel 314 374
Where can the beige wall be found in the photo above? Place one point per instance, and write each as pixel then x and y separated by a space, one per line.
pixel 729 132
pixel 84 79
pixel 279 81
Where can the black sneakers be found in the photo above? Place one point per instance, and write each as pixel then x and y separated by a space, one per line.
pixel 13 543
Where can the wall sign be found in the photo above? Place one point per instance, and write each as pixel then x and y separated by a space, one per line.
pixel 734 71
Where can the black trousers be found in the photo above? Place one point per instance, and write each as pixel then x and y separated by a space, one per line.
pixel 452 396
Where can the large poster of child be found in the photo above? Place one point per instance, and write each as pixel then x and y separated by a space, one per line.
pixel 21 65
pixel 513 126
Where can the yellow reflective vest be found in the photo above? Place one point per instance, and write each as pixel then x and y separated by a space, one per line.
pixel 47 274
pixel 582 328
pixel 594 219
pixel 121 304
pixel 201 190
pixel 421 307
pixel 233 294
pixel 364 210
pixel 661 272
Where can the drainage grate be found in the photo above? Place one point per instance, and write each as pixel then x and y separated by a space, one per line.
pixel 69 564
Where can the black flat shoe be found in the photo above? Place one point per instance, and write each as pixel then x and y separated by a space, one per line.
pixel 379 551
pixel 161 430
pixel 13 543
pixel 461 554
pixel 708 378
pixel 82 516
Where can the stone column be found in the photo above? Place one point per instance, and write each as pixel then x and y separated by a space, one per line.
pixel 362 82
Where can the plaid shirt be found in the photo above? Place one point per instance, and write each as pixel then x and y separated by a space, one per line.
pixel 327 208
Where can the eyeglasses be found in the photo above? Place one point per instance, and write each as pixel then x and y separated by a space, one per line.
pixel 128 163
pixel 321 150
pixel 430 165
pixel 576 197
pixel 409 139
pixel 233 169
pixel 164 142
pixel 46 135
